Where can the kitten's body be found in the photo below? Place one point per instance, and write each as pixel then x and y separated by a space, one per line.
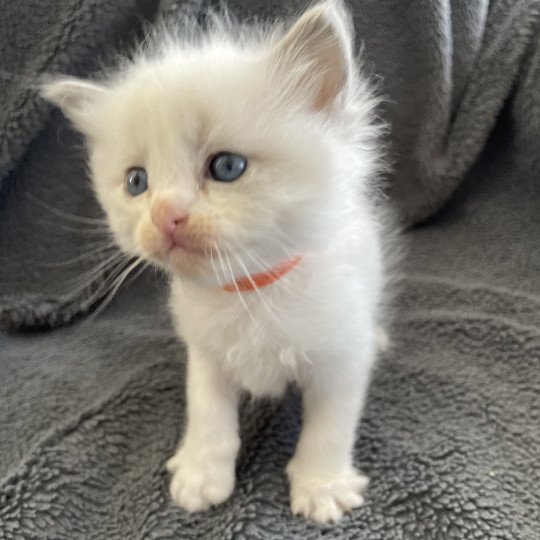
pixel 303 322
pixel 296 108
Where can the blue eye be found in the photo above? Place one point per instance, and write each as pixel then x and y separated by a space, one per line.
pixel 227 167
pixel 136 181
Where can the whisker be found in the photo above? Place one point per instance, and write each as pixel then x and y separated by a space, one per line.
pixel 264 266
pixel 109 281
pixel 89 254
pixel 117 283
pixel 240 297
pixel 66 215
pixel 101 267
pixel 216 273
pixel 265 302
pixel 284 242
pixel 222 266
pixel 103 242
pixel 104 231
pixel 117 255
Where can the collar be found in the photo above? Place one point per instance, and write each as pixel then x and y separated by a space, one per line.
pixel 258 281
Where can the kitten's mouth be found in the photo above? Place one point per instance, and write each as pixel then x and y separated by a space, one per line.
pixel 184 246
pixel 176 246
pixel 184 253
pixel 185 258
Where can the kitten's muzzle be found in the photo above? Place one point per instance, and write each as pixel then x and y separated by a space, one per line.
pixel 172 222
pixel 169 218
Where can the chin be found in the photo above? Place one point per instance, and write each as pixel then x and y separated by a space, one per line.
pixel 187 265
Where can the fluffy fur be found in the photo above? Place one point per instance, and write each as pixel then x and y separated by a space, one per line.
pixel 294 103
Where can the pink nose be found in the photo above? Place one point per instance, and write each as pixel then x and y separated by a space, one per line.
pixel 168 218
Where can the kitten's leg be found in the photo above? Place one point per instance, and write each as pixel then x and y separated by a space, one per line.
pixel 323 480
pixel 203 468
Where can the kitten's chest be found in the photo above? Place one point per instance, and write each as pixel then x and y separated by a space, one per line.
pixel 262 345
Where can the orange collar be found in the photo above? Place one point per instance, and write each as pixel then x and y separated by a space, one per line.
pixel 258 281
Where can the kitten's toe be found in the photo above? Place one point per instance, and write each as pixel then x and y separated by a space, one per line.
pixel 217 492
pixel 196 490
pixel 325 499
pixel 197 484
pixel 349 499
pixel 326 510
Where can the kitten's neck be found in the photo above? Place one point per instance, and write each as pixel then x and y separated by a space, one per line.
pixel 252 282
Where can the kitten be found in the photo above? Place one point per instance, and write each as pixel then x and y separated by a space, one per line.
pixel 241 161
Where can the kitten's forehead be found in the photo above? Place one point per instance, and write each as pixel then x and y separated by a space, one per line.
pixel 170 115
pixel 196 92
pixel 180 102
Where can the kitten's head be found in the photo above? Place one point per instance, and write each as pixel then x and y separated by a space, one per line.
pixel 232 152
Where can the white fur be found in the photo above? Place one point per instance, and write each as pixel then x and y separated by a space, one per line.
pixel 298 109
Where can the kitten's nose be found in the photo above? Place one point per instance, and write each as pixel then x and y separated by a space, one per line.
pixel 168 218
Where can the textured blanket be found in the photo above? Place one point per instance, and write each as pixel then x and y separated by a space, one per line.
pixel 90 411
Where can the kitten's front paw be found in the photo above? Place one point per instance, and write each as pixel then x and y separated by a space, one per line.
pixel 201 479
pixel 325 498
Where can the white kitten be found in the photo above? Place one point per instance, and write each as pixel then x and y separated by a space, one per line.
pixel 242 162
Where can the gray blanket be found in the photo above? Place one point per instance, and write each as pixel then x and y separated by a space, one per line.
pixel 89 412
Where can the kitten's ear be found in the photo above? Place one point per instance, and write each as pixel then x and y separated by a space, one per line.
pixel 317 52
pixel 73 96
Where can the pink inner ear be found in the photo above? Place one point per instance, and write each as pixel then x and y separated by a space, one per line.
pixel 328 93
pixel 317 42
